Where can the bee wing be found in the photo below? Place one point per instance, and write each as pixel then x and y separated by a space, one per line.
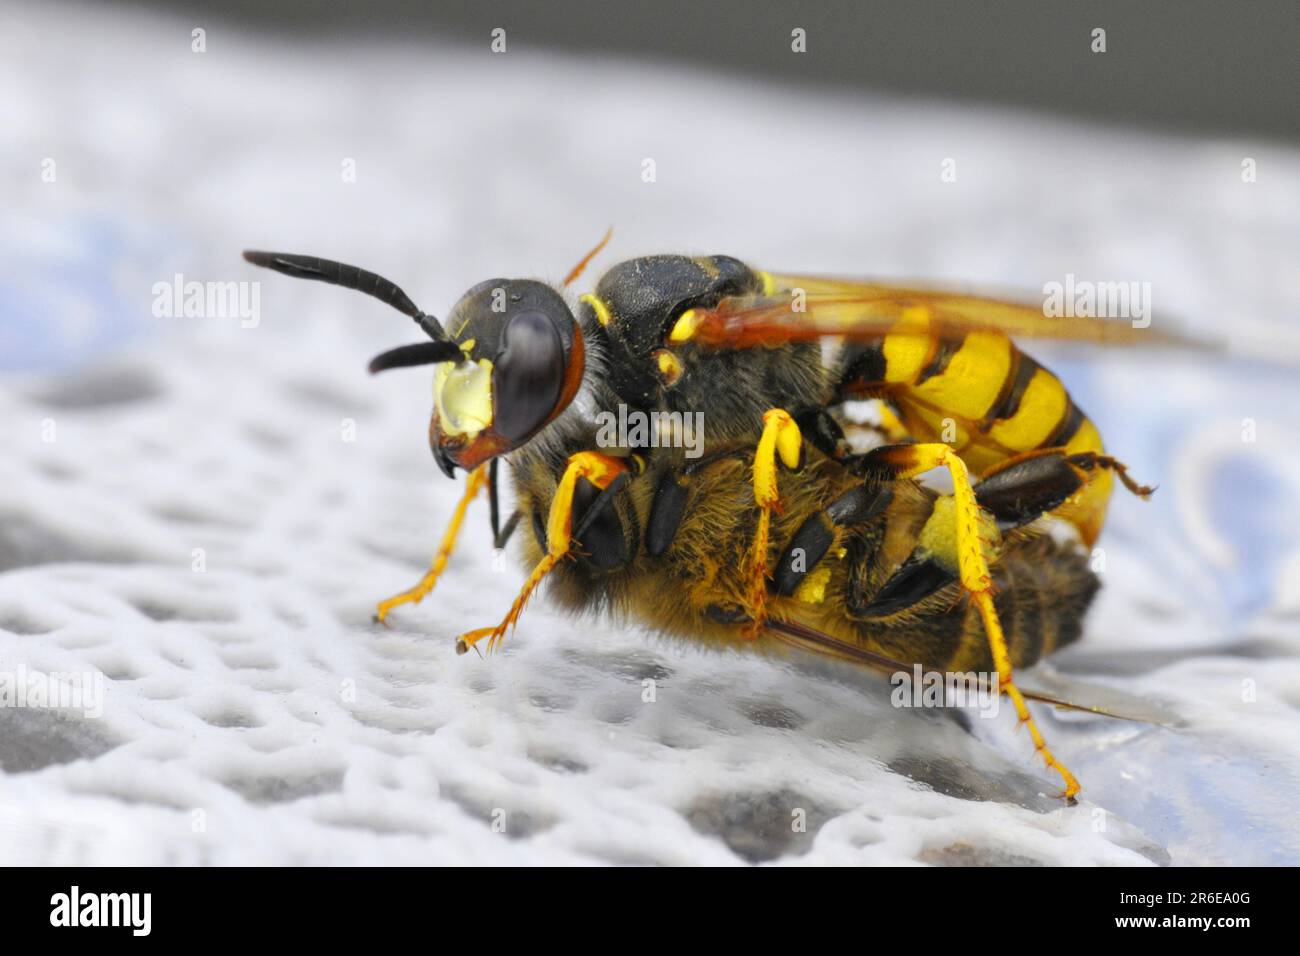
pixel 808 307
pixel 1120 707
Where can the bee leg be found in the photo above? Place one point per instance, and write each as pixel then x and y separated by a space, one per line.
pixel 600 536
pixel 494 501
pixel 1054 460
pixel 474 483
pixel 599 469
pixel 907 461
pixel 669 503
pixel 817 534
pixel 828 435
pixel 1073 487
pixel 824 432
pixel 666 511
pixel 781 439
pixel 504 535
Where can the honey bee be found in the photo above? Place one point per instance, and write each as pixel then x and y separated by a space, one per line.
pixel 777 529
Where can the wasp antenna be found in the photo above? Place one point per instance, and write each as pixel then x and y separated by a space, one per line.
pixel 350 277
pixel 422 353
pixel 577 270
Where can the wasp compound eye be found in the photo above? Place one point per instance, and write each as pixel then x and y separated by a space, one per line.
pixel 529 375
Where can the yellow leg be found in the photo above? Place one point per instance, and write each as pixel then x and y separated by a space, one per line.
pixel 907 461
pixel 597 468
pixel 474 483
pixel 1002 660
pixel 781 437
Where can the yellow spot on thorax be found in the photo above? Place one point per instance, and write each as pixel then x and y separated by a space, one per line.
pixel 599 307
pixel 685 326
pixel 670 367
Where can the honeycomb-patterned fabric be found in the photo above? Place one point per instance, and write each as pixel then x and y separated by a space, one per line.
pixel 201 516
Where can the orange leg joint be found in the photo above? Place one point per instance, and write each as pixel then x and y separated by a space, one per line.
pixel 597 468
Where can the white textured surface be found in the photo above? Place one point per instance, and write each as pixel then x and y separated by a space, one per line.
pixel 258 692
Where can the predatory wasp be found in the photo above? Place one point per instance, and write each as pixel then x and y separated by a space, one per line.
pixel 785 530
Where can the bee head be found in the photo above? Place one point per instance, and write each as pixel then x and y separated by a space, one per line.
pixel 512 363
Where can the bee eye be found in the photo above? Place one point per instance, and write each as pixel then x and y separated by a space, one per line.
pixel 529 375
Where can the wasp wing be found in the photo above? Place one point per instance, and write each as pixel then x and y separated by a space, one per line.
pixel 1119 706
pixel 800 308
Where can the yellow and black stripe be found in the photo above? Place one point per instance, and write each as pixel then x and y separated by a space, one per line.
pixel 981 395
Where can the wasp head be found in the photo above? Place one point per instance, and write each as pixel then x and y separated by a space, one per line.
pixel 520 365
pixel 512 362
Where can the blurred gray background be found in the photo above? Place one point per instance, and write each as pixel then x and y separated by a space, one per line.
pixel 1191 65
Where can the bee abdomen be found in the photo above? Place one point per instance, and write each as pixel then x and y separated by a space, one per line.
pixel 1044 590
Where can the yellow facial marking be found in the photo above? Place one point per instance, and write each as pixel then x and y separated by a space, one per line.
pixel 769 284
pixel 462 396
pixel 599 307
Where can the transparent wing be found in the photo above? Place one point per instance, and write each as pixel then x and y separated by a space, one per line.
pixel 809 307
pixel 1107 702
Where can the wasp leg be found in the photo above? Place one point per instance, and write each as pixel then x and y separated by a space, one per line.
pixel 473 485
pixel 599 469
pixel 781 439
pixel 907 461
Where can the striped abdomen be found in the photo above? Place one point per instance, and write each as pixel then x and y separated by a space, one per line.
pixel 982 395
